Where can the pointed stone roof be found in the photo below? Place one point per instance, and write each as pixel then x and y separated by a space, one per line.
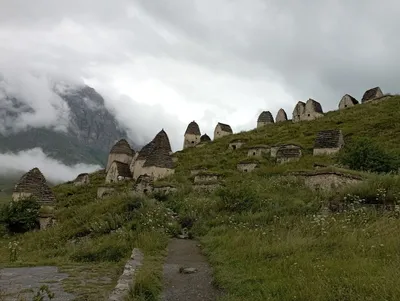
pixel 160 140
pixel 225 127
pixel 281 116
pixel 122 169
pixel 352 99
pixel 371 94
pixel 315 105
pixel 159 157
pixel 35 183
pixel 122 147
pixel 193 129
pixel 328 139
pixel 266 117
pixel 145 151
pixel 205 138
pixel 299 108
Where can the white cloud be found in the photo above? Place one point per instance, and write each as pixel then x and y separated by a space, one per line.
pixel 53 170
pixel 164 64
pixel 41 107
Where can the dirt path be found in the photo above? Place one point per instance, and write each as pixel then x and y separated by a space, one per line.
pixel 180 286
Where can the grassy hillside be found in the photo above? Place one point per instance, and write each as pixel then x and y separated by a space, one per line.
pixel 263 232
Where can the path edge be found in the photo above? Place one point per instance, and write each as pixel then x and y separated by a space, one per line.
pixel 127 278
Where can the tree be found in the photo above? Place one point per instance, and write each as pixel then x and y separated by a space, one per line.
pixel 20 216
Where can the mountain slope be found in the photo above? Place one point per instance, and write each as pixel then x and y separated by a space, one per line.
pixel 263 232
pixel 90 133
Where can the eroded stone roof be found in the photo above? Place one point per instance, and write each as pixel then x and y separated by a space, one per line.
pixel 281 116
pixel 193 129
pixel 81 176
pixel 122 147
pixel 159 157
pixel 328 139
pixel 314 105
pixel 351 98
pixel 371 94
pixel 225 127
pixel 266 116
pixel 299 108
pixel 205 138
pixel 161 140
pixel 122 169
pixel 35 183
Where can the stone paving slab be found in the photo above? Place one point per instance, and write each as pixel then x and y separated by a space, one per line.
pixel 24 282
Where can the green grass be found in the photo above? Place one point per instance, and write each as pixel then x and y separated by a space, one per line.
pixel 263 232
pixel 93 238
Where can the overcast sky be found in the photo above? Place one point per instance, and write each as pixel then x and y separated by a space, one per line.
pixel 166 63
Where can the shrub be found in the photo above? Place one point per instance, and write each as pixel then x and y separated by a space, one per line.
pixel 363 154
pixel 20 216
pixel 237 197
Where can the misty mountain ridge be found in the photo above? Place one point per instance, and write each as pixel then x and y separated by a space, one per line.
pixel 70 124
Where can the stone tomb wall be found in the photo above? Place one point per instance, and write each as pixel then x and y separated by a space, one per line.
pixel 329 180
pixel 247 167
pixel 258 151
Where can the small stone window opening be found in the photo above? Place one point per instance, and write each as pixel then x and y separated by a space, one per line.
pixel 145 190
pixel 245 170
pixel 254 153
pixel 308 115
pixel 234 146
pixel 345 106
pixel 192 142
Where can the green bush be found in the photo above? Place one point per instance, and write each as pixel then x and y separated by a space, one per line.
pixel 363 154
pixel 237 197
pixel 21 216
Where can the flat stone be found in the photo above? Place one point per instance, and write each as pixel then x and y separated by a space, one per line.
pixel 25 282
pixel 188 270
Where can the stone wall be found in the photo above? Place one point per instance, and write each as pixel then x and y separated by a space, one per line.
pixel 82 179
pixel 220 131
pixel 206 178
pixel 191 140
pixel 17 196
pixel 282 160
pixel 329 180
pixel 124 158
pixel 137 169
pixel 258 151
pixel 113 174
pixel 236 144
pixel 206 187
pixel 347 101
pixel 168 189
pixel 104 191
pixel 325 151
pixel 247 167
pixel 157 172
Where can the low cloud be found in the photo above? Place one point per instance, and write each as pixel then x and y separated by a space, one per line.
pixel 53 170
pixel 28 100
